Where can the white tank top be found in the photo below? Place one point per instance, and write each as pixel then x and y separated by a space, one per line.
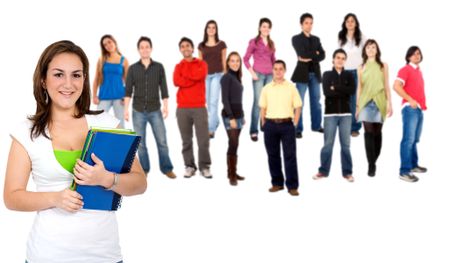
pixel 60 236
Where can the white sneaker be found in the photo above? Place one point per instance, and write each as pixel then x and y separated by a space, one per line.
pixel 189 172
pixel 206 173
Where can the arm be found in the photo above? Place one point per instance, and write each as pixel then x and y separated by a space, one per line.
pixel 387 90
pixel 126 103
pixel 297 113
pixel 198 73
pixel 225 83
pixel 262 113
pixel 200 55
pixel 250 50
pixel 179 80
pixel 297 104
pixel 358 90
pixel 329 90
pixel 96 83
pixel 129 85
pixel 302 54
pixel 125 69
pixel 319 54
pixel 398 87
pixel 132 183
pixel 16 197
pixel 349 88
pixel 164 92
pixel 224 60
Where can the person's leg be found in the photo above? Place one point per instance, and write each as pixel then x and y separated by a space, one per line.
pixel 289 155
pixel 208 86
pixel 345 126
pixel 415 155
pixel 378 139
pixel 314 100
pixel 301 87
pixel 213 105
pixel 118 111
pixel 410 125
pixel 185 124
pixel 159 132
pixel 272 143
pixel 369 143
pixel 326 154
pixel 105 105
pixel 257 88
pixel 201 133
pixel 140 127
pixel 356 126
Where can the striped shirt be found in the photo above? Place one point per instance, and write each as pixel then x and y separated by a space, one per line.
pixel 147 85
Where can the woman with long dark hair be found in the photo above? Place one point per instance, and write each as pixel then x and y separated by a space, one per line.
pixel 262 49
pixel 232 113
pixel 110 76
pixel 213 51
pixel 48 145
pixel 351 39
pixel 373 100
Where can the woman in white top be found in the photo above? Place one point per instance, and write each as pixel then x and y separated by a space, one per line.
pixel 62 230
pixel 351 39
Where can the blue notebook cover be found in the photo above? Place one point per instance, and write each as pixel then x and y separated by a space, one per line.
pixel 117 151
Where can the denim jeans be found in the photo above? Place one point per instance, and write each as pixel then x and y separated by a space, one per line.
pixel 156 121
pixel 331 125
pixel 412 129
pixel 213 90
pixel 314 99
pixel 226 123
pixel 117 107
pixel 284 134
pixel 356 126
pixel 258 85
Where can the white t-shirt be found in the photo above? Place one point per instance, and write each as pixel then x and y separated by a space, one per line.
pixel 354 52
pixel 56 235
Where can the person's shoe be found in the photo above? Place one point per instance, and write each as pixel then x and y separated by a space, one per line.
pixel 419 169
pixel 171 175
pixel 275 188
pixel 254 137
pixel 372 170
pixel 409 177
pixel 319 130
pixel 298 135
pixel 240 178
pixel 211 135
pixel 206 173
pixel 349 178
pixel 355 133
pixel 319 176
pixel 189 172
pixel 293 192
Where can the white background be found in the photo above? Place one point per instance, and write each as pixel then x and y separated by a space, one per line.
pixel 379 219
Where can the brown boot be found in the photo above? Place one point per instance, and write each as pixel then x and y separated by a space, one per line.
pixel 240 178
pixel 231 162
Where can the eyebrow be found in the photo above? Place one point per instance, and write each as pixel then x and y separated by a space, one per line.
pixel 75 71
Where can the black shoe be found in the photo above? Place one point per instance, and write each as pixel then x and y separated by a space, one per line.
pixel 372 170
pixel 419 169
pixel 211 135
pixel 298 135
pixel 319 130
pixel 254 137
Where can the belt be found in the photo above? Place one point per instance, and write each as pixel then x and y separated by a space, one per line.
pixel 280 120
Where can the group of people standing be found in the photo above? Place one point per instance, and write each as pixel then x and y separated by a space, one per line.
pixel 356 90
pixel 48 144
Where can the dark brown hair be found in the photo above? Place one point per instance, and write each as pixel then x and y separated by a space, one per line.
pixel 239 72
pixel 377 56
pixel 105 55
pixel 343 33
pixel 205 34
pixel 42 118
pixel 410 53
pixel 262 21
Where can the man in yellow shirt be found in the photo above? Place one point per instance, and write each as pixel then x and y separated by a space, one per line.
pixel 280 105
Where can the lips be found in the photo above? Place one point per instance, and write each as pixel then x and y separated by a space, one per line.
pixel 66 93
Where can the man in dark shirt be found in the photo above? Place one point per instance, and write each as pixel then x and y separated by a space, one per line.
pixel 338 86
pixel 146 78
pixel 307 73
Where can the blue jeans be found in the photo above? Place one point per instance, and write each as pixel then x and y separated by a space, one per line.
pixel 239 122
pixel 213 90
pixel 284 134
pixel 331 125
pixel 314 99
pixel 117 107
pixel 156 121
pixel 412 129
pixel 258 85
pixel 356 126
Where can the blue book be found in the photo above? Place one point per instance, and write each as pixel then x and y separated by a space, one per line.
pixel 117 149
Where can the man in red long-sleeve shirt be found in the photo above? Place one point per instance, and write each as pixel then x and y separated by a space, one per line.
pixel 189 76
